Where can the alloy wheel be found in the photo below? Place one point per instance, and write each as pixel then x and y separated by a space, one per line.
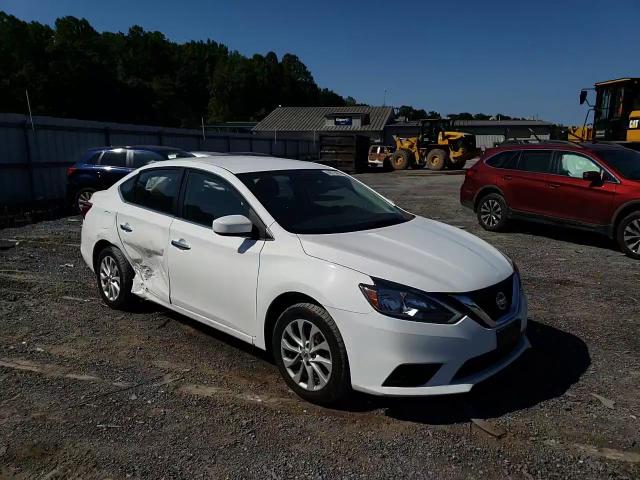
pixel 110 278
pixel 84 198
pixel 491 212
pixel 306 355
pixel 632 236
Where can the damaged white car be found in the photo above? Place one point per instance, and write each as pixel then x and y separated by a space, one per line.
pixel 344 288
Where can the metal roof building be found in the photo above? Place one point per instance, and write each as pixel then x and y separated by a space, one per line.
pixel 307 122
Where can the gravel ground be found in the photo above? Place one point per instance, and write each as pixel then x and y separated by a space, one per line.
pixel 88 392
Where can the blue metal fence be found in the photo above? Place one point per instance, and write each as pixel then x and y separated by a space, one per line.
pixel 34 157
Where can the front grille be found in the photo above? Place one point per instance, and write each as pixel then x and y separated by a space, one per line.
pixel 486 298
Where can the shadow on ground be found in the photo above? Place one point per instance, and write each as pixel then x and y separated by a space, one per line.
pixel 556 361
pixel 564 234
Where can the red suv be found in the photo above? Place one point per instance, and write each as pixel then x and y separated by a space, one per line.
pixel 592 186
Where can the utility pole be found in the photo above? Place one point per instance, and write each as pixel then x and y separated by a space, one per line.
pixel 384 98
pixel 33 128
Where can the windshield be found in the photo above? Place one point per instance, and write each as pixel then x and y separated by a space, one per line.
pixel 321 201
pixel 625 161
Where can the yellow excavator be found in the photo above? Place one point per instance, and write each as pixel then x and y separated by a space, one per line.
pixel 436 146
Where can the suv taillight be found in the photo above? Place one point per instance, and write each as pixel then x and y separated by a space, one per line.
pixel 70 171
pixel 84 208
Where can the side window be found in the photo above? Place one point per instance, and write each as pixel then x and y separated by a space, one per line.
pixel 114 158
pixel 504 160
pixel 127 189
pixel 92 159
pixel 157 189
pixel 208 197
pixel 574 165
pixel 538 161
pixel 144 157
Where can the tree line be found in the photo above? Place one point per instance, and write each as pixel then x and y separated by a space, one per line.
pixel 411 113
pixel 72 70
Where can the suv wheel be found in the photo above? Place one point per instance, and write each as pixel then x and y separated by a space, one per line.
pixel 628 235
pixel 492 212
pixel 311 355
pixel 115 277
pixel 82 197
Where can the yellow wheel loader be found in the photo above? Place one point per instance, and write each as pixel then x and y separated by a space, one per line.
pixel 436 146
pixel 616 112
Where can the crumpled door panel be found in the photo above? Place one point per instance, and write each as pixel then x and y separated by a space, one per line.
pixel 145 235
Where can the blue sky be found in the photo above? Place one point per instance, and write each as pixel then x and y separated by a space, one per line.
pixel 522 58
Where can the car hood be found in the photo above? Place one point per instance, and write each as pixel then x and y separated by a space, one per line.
pixel 420 253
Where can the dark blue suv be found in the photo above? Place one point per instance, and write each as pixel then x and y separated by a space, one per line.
pixel 101 167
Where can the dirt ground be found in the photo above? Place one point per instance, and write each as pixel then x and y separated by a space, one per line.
pixel 88 392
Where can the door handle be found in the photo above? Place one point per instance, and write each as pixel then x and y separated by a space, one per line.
pixel 553 185
pixel 507 177
pixel 181 244
pixel 126 227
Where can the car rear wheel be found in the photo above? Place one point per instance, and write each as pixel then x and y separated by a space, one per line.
pixel 311 355
pixel 115 277
pixel 83 196
pixel 492 212
pixel 628 235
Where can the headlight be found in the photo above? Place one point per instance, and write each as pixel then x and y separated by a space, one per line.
pixel 407 303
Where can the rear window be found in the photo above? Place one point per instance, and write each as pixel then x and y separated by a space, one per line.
pixel 91 157
pixel 504 159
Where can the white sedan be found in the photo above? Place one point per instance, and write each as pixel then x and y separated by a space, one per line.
pixel 345 289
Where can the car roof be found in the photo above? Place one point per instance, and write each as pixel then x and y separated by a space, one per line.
pixel 241 163
pixel 564 145
pixel 153 148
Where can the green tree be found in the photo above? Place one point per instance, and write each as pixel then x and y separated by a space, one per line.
pixel 140 76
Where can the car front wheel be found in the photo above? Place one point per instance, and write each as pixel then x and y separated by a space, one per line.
pixel 628 235
pixel 311 355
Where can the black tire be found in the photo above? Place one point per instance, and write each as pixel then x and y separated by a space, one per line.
pixel 401 159
pixel 338 384
pixel 628 235
pixel 80 197
pixel 437 159
pixel 124 273
pixel 492 212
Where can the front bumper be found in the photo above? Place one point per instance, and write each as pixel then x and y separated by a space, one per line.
pixel 377 345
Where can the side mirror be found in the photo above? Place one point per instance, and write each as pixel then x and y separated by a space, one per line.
pixel 583 96
pixel 233 226
pixel 592 176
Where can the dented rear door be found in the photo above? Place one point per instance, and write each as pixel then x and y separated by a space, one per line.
pixel 143 223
